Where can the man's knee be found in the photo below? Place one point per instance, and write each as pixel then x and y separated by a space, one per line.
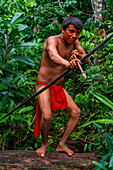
pixel 75 113
pixel 47 118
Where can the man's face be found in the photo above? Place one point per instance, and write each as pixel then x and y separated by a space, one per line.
pixel 70 34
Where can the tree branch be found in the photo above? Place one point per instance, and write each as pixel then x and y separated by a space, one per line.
pixel 85 13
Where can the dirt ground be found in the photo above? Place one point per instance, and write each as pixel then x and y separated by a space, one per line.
pixel 29 160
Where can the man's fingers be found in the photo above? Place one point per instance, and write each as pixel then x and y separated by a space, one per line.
pixel 75 52
pixel 77 60
pixel 72 57
pixel 73 64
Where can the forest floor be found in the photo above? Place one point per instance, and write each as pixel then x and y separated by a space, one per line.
pixel 29 160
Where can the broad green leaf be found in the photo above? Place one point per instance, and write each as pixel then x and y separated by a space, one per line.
pixel 11 52
pixel 4 38
pixel 105 158
pixel 1 2
pixel 2 34
pixel 2 51
pixel 111 162
pixel 3 87
pixel 5 101
pixel 7 80
pixel 3 120
pixel 16 73
pixel 5 92
pixel 13 60
pixel 27 44
pixel 83 31
pixel 13 33
pixel 25 109
pixel 17 15
pixel 85 147
pixel 27 82
pixel 11 105
pixel 18 20
pixel 22 59
pixel 100 165
pixel 22 27
pixel 25 60
pixel 89 147
pixel 1 72
pixel 25 1
pixel 104 100
pixel 98 125
pixel 16 80
pixel 18 93
pixel 104 121
pixel 109 142
pixel 20 118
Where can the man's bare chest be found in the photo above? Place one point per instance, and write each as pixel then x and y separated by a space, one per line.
pixel 65 50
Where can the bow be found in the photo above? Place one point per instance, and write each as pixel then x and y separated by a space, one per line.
pixel 59 77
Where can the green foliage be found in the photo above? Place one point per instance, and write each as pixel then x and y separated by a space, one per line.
pixel 24 26
pixel 9 55
pixel 106 162
pixel 104 100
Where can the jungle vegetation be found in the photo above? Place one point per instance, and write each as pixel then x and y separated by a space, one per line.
pixel 24 26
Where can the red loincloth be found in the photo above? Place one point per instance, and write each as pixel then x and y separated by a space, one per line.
pixel 58 102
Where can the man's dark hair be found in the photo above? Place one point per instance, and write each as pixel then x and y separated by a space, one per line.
pixel 72 20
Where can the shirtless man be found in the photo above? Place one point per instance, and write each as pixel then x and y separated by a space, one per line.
pixel 57 51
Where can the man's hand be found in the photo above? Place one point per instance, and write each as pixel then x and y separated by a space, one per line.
pixel 72 54
pixel 73 63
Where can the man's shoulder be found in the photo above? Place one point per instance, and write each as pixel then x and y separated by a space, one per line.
pixel 53 39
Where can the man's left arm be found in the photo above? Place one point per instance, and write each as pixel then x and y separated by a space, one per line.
pixel 80 52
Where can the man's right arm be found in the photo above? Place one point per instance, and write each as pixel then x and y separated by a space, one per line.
pixel 52 45
pixel 53 52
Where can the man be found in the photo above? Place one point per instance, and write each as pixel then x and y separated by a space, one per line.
pixel 56 57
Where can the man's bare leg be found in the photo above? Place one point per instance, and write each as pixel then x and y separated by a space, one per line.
pixel 44 102
pixel 74 112
pixel 44 131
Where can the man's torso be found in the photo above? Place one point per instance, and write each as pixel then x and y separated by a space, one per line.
pixel 50 70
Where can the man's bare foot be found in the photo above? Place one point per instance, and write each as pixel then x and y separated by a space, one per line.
pixel 63 148
pixel 42 150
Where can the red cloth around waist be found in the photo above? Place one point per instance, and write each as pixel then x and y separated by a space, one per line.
pixel 58 102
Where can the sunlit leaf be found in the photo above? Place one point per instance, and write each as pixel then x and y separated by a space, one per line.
pixel 22 27
pixel 7 80
pixel 23 60
pixel 104 100
pixel 109 142
pixel 25 109
pixel 27 44
pixel 104 121
pixel 111 162
pixel 17 15
pixel 18 20
pixel 17 73
pixel 11 52
pixel 100 165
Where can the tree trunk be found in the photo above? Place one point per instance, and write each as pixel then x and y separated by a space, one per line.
pixel 98 6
